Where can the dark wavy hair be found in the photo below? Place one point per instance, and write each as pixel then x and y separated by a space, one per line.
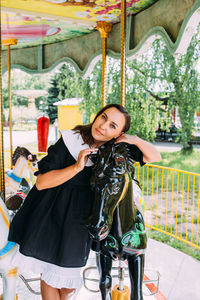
pixel 85 130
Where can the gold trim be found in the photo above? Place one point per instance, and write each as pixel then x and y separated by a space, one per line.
pixel 125 188
pixel 12 272
pixel 4 217
pixel 123 51
pixel 2 167
pixel 9 42
pixel 10 107
pixel 104 28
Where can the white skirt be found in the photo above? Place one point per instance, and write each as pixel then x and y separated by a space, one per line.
pixel 55 276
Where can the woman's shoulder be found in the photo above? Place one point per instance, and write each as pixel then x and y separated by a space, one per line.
pixel 71 139
pixel 71 136
pixel 74 143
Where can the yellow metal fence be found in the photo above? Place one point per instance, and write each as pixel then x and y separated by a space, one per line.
pixel 172 200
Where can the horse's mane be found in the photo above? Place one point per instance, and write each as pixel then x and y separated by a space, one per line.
pixel 22 151
pixel 112 147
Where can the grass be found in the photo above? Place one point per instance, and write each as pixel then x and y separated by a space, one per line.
pixel 181 246
pixel 178 160
pixel 175 160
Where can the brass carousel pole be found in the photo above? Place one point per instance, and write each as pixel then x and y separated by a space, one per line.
pixel 9 43
pixel 2 179
pixel 123 51
pixel 104 28
pixel 10 108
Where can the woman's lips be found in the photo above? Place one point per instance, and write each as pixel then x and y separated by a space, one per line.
pixel 98 132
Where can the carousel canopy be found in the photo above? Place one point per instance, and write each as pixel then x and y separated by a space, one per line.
pixel 49 32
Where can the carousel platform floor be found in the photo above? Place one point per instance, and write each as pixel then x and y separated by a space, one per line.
pixel 179 276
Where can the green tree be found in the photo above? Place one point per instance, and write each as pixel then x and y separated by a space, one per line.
pixel 91 92
pixel 176 77
pixel 156 83
pixel 138 102
pixel 65 83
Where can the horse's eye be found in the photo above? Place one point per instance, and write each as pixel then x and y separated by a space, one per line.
pixel 119 160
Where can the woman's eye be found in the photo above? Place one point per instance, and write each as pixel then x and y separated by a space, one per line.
pixel 112 126
pixel 103 116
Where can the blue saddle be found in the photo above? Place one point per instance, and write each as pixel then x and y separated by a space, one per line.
pixel 14 177
pixel 7 248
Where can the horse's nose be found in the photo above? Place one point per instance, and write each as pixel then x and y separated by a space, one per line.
pixel 103 232
pixel 98 233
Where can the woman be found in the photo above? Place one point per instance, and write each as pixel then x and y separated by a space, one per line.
pixel 49 227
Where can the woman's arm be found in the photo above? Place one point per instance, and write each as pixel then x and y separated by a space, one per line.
pixel 56 177
pixel 150 153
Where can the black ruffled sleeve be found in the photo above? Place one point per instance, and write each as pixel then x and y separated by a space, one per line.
pixel 53 159
pixel 136 154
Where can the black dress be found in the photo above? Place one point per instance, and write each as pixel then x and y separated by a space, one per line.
pixel 50 225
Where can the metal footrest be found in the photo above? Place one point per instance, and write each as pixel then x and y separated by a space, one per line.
pixel 150 282
pixel 27 281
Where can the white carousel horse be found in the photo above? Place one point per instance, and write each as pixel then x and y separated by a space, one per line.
pixel 24 166
pixel 7 249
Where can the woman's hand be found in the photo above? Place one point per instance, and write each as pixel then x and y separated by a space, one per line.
pixel 150 153
pixel 54 178
pixel 127 138
pixel 83 157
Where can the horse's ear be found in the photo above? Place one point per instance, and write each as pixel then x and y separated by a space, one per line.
pixel 93 157
pixel 16 155
pixel 17 150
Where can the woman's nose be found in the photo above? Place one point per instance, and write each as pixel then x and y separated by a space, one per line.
pixel 103 125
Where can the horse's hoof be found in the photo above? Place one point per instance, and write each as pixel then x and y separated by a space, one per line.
pixel 1 297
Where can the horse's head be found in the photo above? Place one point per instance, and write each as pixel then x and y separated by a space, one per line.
pixel 25 164
pixel 112 173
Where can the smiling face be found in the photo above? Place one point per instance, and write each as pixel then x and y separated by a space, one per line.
pixel 108 125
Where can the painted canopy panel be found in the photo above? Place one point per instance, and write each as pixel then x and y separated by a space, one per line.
pixel 37 22
pixel 172 20
pixel 30 30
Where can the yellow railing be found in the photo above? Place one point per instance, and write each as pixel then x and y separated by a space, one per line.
pixel 172 201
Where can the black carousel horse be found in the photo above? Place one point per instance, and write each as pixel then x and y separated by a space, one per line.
pixel 116 224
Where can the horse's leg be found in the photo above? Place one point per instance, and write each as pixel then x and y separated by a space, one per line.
pixel 104 265
pixel 136 273
pixel 9 284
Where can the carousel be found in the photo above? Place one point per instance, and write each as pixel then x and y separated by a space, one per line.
pixel 36 38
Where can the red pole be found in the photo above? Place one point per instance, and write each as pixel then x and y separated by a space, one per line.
pixel 43 132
